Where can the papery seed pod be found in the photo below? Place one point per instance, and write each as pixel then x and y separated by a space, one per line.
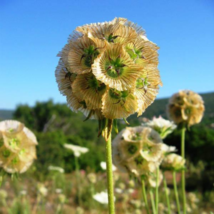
pixel 160 125
pixel 17 146
pixel 92 178
pixel 173 162
pixel 137 150
pixel 108 71
pixel 186 107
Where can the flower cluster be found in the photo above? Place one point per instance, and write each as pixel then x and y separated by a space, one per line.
pixel 17 146
pixel 77 150
pixel 186 107
pixel 160 125
pixel 173 162
pixel 108 70
pixel 139 151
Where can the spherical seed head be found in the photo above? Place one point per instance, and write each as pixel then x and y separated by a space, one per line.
pixel 137 150
pixel 173 162
pixel 108 70
pixel 92 177
pixel 160 125
pixel 186 107
pixel 17 146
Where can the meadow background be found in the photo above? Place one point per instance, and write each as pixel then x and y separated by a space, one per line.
pixel 33 32
pixel 54 125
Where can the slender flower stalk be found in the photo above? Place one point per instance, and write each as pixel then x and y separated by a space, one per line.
pixel 156 191
pixel 152 201
pixel 167 195
pixel 185 108
pixel 77 179
pixel 176 192
pixel 110 176
pixel 145 196
pixel 183 171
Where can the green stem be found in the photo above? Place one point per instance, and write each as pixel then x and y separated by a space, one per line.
pixel 152 201
pixel 156 191
pixel 145 196
pixel 167 195
pixel 176 192
pixel 77 179
pixel 183 171
pixel 110 176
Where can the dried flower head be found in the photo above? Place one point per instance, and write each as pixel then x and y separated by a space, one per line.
pixel 56 168
pixel 42 190
pixel 101 197
pixel 17 146
pixel 79 210
pixel 173 162
pixel 62 198
pixel 186 107
pixel 137 150
pixel 160 125
pixel 108 71
pixel 104 166
pixel 77 150
pixel 92 177
pixel 192 197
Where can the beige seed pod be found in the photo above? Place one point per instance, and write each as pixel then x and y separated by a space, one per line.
pixel 137 150
pixel 186 107
pixel 17 146
pixel 173 162
pixel 108 71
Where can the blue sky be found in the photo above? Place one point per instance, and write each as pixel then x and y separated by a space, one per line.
pixel 33 32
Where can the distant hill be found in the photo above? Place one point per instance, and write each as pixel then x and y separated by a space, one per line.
pixel 6 114
pixel 156 109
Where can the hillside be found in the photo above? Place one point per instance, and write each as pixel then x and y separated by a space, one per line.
pixel 6 114
pixel 156 109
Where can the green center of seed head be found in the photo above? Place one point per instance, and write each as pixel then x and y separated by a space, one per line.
pixel 89 55
pixel 142 83
pixel 1 142
pixel 188 111
pixel 83 103
pixel 115 94
pixel 136 136
pixel 96 84
pixel 132 148
pixel 110 38
pixel 22 152
pixel 147 148
pixel 114 67
pixel 139 160
pixel 15 160
pixel 14 142
pixel 134 53
pixel 6 153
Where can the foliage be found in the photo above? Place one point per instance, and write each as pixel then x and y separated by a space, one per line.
pixel 55 125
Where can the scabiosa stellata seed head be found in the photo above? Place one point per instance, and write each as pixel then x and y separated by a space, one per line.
pixel 17 146
pixel 173 162
pixel 186 107
pixel 108 71
pixel 138 151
